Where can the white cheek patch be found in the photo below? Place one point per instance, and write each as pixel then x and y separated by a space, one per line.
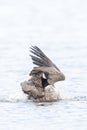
pixel 44 76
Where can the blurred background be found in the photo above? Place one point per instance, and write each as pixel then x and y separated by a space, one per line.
pixel 59 28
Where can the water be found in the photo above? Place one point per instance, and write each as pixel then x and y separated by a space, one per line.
pixel 59 28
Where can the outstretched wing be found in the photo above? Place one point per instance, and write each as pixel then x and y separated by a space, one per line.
pixel 40 59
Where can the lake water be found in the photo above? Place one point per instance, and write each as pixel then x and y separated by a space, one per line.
pixel 59 28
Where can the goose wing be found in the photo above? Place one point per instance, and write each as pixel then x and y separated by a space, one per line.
pixel 45 66
pixel 40 59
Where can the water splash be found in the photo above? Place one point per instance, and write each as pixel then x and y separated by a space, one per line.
pixel 14 98
pixel 23 98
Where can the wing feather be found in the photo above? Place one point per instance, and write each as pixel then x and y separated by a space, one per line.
pixel 40 59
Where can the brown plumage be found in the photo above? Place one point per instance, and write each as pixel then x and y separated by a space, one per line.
pixel 40 87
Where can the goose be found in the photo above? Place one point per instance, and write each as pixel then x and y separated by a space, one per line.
pixel 40 87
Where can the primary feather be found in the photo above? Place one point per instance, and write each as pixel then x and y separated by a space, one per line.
pixel 40 59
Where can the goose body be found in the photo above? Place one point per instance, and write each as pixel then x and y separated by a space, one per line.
pixel 40 87
pixel 49 95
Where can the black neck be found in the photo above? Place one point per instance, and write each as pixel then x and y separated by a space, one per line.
pixel 44 82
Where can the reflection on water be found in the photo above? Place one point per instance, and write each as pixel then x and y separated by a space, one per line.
pixel 59 29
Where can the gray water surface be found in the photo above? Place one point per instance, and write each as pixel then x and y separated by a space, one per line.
pixel 59 28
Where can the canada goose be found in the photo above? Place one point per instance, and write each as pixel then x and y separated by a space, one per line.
pixel 40 87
